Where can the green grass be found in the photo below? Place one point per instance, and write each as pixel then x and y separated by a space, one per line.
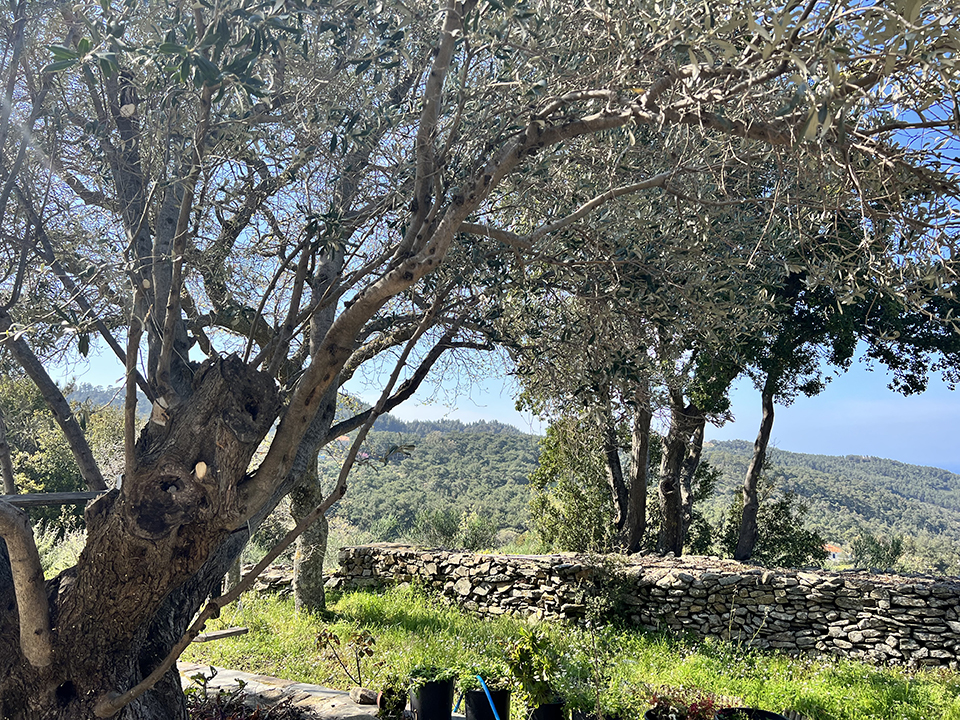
pixel 411 629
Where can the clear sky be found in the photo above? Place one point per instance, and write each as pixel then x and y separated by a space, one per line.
pixel 855 415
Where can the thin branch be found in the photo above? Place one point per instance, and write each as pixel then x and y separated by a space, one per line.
pixel 58 405
pixel 517 242
pixel 408 387
pixel 130 400
pixel 46 252
pixel 36 637
pixel 173 313
pixel 6 465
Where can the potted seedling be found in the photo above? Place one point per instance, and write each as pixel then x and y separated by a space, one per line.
pixel 670 703
pixel 392 698
pixel 431 692
pixel 535 664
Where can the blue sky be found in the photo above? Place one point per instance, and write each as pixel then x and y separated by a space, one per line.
pixel 855 415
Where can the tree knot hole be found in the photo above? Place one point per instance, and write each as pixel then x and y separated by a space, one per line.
pixel 66 693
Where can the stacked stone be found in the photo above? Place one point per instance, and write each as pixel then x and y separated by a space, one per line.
pixel 543 586
pixel 882 618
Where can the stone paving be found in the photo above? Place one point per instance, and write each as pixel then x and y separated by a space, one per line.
pixel 317 702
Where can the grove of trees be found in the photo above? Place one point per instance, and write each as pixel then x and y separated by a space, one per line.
pixel 248 202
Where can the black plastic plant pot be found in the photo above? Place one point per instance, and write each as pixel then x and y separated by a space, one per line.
pixel 478 707
pixel 747 714
pixel 547 711
pixel 433 700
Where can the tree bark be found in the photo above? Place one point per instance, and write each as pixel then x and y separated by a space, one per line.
pixel 635 527
pixel 751 504
pixel 6 464
pixel 691 462
pixel 232 578
pixel 32 609
pixel 614 470
pixel 670 538
pixel 156 549
pixel 311 549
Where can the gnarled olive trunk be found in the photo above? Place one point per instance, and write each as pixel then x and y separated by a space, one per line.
pixel 155 549
pixel 631 535
pixel 751 503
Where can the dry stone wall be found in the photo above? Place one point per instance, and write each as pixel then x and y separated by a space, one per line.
pixel 884 618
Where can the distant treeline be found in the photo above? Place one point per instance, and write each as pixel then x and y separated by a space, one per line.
pixel 484 466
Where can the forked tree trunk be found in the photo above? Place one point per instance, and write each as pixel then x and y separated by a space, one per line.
pixel 631 535
pixel 682 423
pixel 114 614
pixel 747 540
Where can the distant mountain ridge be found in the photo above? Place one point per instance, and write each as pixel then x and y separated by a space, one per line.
pixel 485 466
pixel 847 495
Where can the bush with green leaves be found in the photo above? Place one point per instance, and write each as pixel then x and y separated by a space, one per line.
pixel 873 551
pixel 447 528
pixel 570 504
pixel 782 538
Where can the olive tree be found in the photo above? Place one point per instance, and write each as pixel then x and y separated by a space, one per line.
pixel 247 201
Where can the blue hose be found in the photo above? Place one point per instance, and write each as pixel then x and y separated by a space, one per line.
pixel 489 697
pixel 486 690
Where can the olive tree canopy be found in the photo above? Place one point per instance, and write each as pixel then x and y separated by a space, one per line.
pixel 248 200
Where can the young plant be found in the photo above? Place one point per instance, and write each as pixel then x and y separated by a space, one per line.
pixel 535 664
pixel 423 674
pixel 360 645
pixel 494 673
pixel 682 704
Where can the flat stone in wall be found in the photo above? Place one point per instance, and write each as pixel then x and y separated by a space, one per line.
pixel 882 618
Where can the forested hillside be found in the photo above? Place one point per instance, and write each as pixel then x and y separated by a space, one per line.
pixel 850 494
pixel 484 467
pixel 480 467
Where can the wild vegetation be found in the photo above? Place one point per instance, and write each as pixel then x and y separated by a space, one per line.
pixel 459 485
pixel 624 666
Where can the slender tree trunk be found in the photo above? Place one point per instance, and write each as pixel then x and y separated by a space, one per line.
pixel 670 538
pixel 614 470
pixel 6 465
pixel 691 462
pixel 636 523
pixel 751 504
pixel 311 546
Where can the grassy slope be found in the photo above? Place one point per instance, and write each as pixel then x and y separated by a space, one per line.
pixel 410 629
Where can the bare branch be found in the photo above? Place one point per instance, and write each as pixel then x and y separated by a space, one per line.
pixel 58 405
pixel 36 637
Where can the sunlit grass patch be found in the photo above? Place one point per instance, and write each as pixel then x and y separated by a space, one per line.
pixel 411 628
